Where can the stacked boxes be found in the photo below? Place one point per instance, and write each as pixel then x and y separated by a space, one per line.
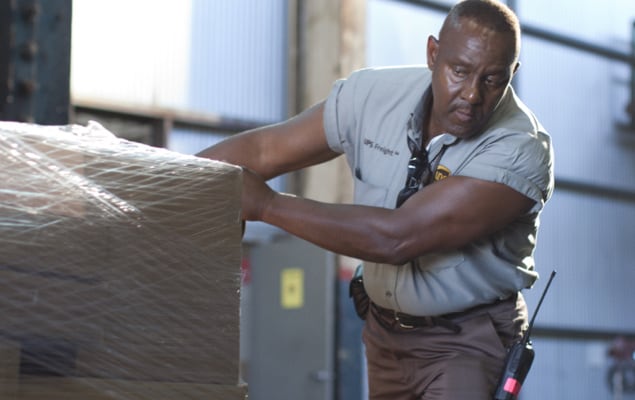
pixel 119 270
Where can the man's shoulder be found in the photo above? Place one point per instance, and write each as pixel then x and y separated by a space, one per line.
pixel 513 116
pixel 400 83
pixel 393 73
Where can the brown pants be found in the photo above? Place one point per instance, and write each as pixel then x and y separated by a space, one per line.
pixel 433 363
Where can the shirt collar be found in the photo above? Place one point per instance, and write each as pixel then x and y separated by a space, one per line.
pixel 417 119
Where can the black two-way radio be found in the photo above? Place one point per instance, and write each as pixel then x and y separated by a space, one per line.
pixel 519 359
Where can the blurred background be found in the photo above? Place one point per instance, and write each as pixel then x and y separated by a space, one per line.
pixel 185 74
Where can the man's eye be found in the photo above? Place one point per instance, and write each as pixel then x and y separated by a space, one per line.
pixel 460 72
pixel 493 81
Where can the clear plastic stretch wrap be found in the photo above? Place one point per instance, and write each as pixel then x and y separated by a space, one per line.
pixel 119 269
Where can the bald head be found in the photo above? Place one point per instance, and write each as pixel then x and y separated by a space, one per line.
pixel 490 14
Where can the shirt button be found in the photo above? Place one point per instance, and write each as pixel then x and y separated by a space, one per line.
pixel 388 293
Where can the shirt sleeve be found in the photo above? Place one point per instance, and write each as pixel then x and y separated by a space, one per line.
pixel 339 113
pixel 522 161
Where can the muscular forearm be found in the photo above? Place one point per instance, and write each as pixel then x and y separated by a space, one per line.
pixel 442 217
pixel 352 230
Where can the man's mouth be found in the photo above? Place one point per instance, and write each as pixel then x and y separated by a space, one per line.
pixel 464 115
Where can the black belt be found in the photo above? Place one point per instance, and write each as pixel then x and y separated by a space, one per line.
pixel 448 321
pixel 408 321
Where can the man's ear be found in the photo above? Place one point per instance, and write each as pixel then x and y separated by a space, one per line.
pixel 516 67
pixel 432 51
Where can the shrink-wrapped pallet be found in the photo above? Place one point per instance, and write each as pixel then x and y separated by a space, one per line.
pixel 119 269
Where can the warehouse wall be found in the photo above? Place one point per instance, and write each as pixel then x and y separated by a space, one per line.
pixel 587 228
pixel 589 225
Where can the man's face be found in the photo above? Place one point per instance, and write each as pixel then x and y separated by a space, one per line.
pixel 471 68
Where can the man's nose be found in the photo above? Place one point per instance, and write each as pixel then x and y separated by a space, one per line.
pixel 472 92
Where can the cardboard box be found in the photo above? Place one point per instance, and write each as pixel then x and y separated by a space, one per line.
pixel 120 261
pixel 9 369
pixel 105 389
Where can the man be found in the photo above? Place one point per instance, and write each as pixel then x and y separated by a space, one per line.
pixel 445 255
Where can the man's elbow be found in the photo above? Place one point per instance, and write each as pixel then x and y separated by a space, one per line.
pixel 392 252
pixel 403 250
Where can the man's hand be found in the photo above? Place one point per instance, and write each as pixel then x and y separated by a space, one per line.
pixel 256 196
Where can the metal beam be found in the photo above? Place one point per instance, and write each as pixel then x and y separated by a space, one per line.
pixel 560 333
pixel 591 189
pixel 545 34
pixel 180 119
pixel 35 42
pixel 151 125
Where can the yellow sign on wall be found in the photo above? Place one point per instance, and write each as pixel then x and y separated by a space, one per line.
pixel 292 288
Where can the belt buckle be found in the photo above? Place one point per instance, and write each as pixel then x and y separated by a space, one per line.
pixel 401 324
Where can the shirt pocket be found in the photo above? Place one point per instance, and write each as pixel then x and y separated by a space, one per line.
pixel 367 194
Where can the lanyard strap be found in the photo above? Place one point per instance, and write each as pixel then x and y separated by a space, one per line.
pixel 420 170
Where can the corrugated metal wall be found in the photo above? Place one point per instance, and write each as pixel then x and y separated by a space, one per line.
pixel 589 226
pixel 226 58
pixel 131 52
pixel 239 58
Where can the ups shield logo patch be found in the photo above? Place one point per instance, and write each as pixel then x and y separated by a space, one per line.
pixel 441 173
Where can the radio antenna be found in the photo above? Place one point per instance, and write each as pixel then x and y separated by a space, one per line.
pixel 542 297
